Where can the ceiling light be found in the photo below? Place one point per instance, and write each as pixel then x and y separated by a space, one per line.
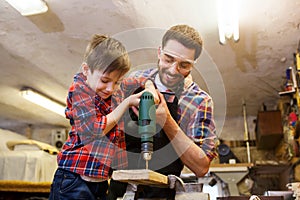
pixel 42 100
pixel 228 20
pixel 29 7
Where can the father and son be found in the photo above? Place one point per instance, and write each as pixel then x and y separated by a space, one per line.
pixel 102 107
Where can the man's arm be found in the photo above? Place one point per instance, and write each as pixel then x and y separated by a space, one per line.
pixel 190 154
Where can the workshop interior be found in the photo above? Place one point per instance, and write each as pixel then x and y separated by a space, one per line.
pixel 250 65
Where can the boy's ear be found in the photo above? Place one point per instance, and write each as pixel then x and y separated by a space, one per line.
pixel 85 69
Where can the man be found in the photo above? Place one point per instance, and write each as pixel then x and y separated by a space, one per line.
pixel 185 115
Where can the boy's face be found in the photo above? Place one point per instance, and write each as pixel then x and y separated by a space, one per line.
pixel 103 84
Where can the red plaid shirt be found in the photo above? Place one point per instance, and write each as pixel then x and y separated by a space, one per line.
pixel 87 150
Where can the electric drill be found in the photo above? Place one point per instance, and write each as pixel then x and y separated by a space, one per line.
pixel 147 125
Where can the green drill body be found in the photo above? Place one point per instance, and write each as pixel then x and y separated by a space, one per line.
pixel 147 123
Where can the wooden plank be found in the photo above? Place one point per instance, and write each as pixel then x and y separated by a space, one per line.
pixel 192 196
pixel 141 176
pixel 231 165
pixel 24 186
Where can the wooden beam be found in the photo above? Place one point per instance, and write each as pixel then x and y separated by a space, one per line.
pixel 141 177
pixel 24 186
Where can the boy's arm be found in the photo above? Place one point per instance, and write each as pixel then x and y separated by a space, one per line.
pixel 113 117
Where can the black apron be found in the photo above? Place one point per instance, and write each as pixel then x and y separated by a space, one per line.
pixel 164 158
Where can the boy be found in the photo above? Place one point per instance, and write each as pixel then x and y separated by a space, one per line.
pixel 96 143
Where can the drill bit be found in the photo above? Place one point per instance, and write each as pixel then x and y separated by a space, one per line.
pixel 147 164
pixel 147 156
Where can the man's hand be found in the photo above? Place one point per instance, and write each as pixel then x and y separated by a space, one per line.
pixel 162 111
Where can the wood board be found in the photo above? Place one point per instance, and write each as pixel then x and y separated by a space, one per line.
pixel 24 186
pixel 141 177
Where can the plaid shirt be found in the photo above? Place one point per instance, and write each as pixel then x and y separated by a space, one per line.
pixel 195 109
pixel 87 150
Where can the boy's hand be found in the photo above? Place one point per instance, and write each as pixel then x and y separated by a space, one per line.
pixel 134 99
pixel 162 111
pixel 149 86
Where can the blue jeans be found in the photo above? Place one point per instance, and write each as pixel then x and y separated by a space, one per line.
pixel 69 185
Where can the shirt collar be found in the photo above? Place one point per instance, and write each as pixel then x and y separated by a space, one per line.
pixel 161 87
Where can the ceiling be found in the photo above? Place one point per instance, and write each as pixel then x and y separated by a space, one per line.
pixel 45 51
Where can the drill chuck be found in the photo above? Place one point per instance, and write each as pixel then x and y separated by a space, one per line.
pixel 147 124
pixel 147 150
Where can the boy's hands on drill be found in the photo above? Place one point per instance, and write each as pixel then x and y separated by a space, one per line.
pixel 149 86
pixel 135 98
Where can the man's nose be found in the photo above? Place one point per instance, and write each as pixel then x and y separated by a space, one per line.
pixel 174 67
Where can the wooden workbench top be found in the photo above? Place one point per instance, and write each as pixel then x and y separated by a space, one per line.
pixel 231 165
pixel 141 176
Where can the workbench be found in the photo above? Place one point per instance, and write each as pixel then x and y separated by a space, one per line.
pixel 184 191
pixel 231 174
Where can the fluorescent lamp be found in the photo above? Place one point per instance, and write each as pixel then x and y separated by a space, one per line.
pixel 228 20
pixel 42 100
pixel 29 7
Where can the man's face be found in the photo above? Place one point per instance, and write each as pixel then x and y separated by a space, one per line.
pixel 175 63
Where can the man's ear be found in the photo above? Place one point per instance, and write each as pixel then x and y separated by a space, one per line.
pixel 85 68
pixel 159 52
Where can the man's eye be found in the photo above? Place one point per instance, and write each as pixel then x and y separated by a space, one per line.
pixel 104 81
pixel 169 60
pixel 185 65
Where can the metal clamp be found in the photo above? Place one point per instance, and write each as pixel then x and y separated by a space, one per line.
pixel 176 183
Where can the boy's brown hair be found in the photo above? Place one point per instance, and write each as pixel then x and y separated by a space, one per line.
pixel 107 54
